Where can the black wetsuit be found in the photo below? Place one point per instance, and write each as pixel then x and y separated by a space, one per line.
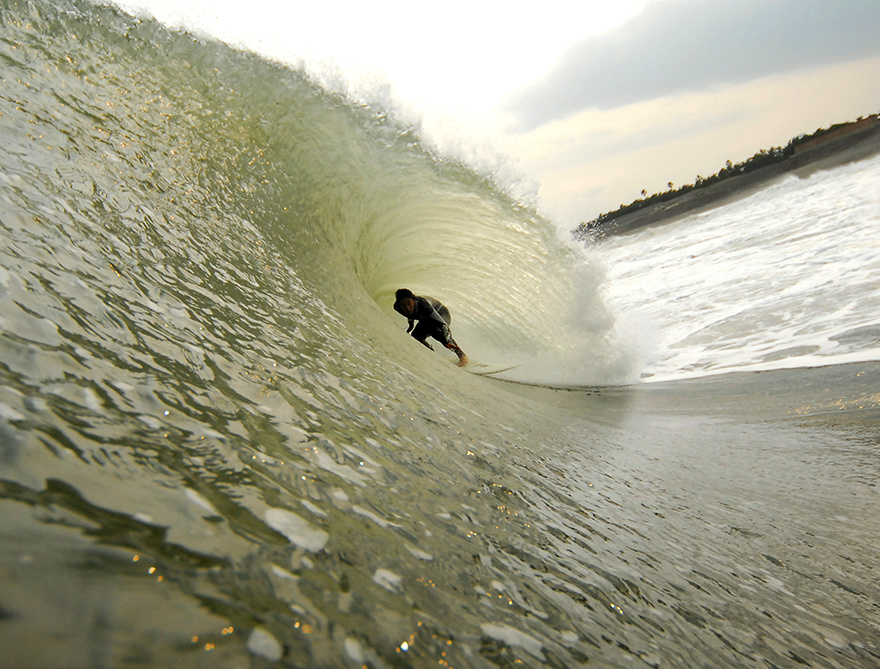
pixel 434 321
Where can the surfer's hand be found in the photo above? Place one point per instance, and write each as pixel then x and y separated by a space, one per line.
pixel 410 328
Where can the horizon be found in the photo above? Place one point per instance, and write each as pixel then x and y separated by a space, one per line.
pixel 701 181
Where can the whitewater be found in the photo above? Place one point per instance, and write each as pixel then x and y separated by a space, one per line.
pixel 219 448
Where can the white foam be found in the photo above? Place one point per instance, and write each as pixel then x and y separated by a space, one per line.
pixel 788 277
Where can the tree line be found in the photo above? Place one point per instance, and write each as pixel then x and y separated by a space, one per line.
pixel 763 158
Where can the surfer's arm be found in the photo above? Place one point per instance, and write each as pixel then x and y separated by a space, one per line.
pixel 412 324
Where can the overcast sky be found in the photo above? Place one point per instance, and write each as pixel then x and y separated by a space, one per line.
pixel 690 45
pixel 591 101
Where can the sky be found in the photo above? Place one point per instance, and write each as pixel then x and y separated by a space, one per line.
pixel 580 105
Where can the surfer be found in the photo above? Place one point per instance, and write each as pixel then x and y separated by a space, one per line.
pixel 434 321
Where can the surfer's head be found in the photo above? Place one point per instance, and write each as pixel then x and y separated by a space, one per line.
pixel 404 302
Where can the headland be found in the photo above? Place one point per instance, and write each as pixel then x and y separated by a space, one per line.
pixel 826 148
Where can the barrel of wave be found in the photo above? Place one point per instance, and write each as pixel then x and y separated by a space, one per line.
pixel 518 295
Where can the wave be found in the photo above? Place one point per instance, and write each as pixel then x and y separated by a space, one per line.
pixel 344 194
pixel 778 280
pixel 210 416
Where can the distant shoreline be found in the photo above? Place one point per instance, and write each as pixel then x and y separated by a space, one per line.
pixel 855 142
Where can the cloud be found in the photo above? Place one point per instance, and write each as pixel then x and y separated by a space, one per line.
pixel 691 45
pixel 594 160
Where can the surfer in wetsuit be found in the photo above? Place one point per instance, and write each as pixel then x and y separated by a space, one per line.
pixel 434 321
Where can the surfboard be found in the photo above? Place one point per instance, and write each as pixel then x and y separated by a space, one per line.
pixel 482 369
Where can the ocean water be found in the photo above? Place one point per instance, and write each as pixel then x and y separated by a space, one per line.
pixel 219 448
pixel 789 277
